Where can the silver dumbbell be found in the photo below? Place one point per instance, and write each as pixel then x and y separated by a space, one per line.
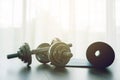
pixel 58 53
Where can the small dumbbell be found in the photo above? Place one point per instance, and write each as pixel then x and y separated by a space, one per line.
pixel 42 52
pixel 59 53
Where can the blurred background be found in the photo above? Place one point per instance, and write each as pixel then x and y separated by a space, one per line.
pixel 80 22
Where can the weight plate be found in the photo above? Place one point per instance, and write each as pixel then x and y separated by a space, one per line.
pixel 57 54
pixel 43 56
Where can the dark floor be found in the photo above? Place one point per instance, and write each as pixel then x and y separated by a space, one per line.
pixel 14 69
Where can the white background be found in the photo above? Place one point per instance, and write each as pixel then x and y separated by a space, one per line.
pixel 80 22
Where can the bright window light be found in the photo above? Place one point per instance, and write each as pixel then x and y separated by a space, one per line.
pixel 11 13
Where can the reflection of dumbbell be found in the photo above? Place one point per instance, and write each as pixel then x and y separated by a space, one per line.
pixel 58 53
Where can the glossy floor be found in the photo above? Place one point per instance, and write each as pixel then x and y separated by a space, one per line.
pixel 14 69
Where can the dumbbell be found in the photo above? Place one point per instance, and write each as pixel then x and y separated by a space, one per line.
pixel 58 53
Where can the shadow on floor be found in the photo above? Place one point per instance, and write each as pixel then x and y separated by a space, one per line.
pixel 54 73
pixel 24 73
pixel 100 74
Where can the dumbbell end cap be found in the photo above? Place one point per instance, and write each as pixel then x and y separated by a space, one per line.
pixel 12 56
pixel 70 44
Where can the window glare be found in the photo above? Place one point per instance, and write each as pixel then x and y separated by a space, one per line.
pixel 118 13
pixel 10 13
pixel 88 13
